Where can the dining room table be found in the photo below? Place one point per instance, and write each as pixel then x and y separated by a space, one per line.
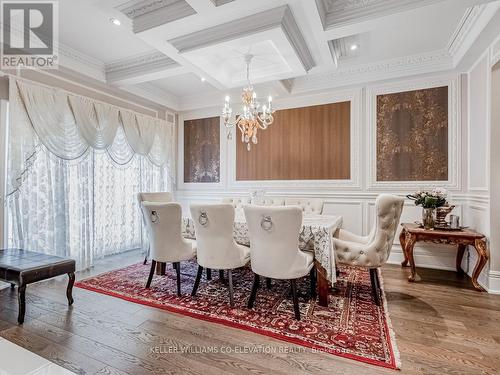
pixel 316 236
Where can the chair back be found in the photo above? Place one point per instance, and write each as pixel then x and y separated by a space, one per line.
pixel 268 201
pixel 163 223
pixel 388 210
pixel 216 247
pixel 274 239
pixel 236 202
pixel 308 206
pixel 162 196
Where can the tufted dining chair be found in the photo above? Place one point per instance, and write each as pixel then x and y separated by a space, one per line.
pixel 372 251
pixel 268 201
pixel 274 248
pixel 308 205
pixel 163 222
pixel 237 202
pixel 216 247
pixel 161 196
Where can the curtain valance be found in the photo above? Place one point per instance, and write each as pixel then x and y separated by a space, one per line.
pixel 68 124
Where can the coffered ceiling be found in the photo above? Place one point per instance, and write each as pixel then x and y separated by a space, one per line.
pixel 187 54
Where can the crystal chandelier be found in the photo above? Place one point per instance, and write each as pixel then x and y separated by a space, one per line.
pixel 253 116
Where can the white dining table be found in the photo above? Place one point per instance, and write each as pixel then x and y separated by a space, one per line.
pixel 316 236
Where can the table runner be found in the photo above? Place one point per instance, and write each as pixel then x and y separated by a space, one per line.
pixel 315 235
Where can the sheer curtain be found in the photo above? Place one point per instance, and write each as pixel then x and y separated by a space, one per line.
pixel 75 166
pixel 84 208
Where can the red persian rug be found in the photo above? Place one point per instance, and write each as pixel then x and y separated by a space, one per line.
pixel 352 326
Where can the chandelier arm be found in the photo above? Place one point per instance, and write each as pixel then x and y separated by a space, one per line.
pixel 230 124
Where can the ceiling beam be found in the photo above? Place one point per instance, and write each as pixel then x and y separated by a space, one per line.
pixel 142 68
pixel 201 6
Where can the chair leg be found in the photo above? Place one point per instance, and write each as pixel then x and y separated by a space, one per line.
pixel 230 279
pixel 151 273
pixel 293 284
pixel 253 294
pixel 197 281
pixel 178 271
pixel 147 255
pixel 221 275
pixel 312 277
pixel 375 285
pixel 174 265
pixel 209 274
pixel 268 283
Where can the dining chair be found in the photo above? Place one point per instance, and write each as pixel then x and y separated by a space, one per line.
pixel 216 247
pixel 308 205
pixel 161 196
pixel 274 248
pixel 163 222
pixel 372 251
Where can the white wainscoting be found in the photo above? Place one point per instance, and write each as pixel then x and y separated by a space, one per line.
pixel 358 215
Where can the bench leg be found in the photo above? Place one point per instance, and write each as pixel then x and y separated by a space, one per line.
pixel 21 296
pixel 69 290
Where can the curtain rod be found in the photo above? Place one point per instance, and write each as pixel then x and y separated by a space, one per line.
pixel 32 82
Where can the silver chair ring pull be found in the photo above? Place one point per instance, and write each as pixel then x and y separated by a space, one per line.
pixel 155 218
pixel 266 223
pixel 203 219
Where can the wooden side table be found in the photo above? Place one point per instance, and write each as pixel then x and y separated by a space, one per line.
pixel 413 233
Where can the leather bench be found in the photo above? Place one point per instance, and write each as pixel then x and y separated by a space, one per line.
pixel 21 267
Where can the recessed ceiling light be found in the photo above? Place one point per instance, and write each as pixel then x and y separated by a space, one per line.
pixel 203 79
pixel 115 21
pixel 354 47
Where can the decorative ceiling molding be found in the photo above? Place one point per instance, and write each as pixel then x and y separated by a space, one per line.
pixel 155 94
pixel 335 13
pixel 147 14
pixel 280 17
pixel 365 73
pixel 79 62
pixel 218 3
pixel 341 48
pixel 467 30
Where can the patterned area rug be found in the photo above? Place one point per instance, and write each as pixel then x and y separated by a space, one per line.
pixel 352 326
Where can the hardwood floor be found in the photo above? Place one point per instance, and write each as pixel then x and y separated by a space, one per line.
pixel 442 326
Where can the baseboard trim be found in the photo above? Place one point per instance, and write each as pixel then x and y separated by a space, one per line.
pixel 494 282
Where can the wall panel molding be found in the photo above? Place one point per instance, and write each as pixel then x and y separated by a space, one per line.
pixel 454 133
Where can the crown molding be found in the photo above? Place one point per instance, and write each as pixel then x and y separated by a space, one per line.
pixel 360 74
pixel 131 69
pixel 280 17
pixel 147 14
pixel 470 26
pixel 337 13
pixel 78 61
pixel 218 3
pixel 155 94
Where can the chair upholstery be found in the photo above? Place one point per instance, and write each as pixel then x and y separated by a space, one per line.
pixel 275 253
pixel 237 202
pixel 216 247
pixel 163 222
pixel 268 201
pixel 308 206
pixel 372 251
pixel 155 197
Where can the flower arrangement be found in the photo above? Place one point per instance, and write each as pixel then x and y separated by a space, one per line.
pixel 429 199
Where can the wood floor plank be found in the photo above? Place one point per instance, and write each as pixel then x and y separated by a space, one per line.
pixel 442 326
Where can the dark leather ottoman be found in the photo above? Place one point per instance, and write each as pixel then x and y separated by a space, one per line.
pixel 21 267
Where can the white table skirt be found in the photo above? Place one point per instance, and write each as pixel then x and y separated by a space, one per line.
pixel 316 235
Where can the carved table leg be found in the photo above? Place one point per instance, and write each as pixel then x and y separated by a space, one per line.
pixel 69 290
pixel 460 256
pixel 402 241
pixel 483 256
pixel 410 243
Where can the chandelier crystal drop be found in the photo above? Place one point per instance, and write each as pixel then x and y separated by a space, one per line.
pixel 253 117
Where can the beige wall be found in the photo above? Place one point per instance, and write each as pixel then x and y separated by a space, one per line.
pixel 86 86
pixel 495 170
